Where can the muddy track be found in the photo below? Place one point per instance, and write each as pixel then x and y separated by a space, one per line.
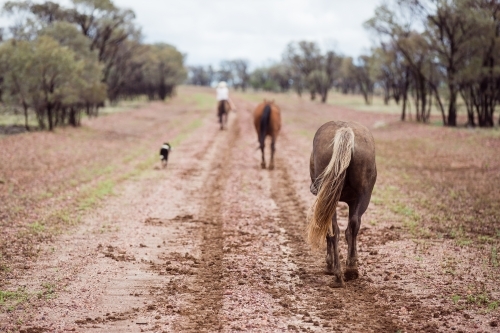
pixel 214 243
pixel 202 311
pixel 284 270
pixel 352 308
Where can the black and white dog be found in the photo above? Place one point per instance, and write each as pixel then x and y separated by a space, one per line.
pixel 165 149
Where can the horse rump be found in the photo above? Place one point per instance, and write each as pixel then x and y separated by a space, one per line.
pixel 328 186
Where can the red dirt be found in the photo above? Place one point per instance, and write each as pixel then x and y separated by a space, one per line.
pixel 214 243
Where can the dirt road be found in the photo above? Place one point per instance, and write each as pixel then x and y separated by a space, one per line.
pixel 215 243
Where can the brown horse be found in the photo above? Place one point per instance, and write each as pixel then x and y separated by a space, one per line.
pixel 342 168
pixel 267 120
pixel 223 109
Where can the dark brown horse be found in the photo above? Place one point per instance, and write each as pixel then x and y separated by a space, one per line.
pixel 342 168
pixel 267 120
pixel 223 109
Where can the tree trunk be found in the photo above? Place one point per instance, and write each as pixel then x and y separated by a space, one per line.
pixel 403 112
pixel 428 115
pixel 50 117
pixel 417 104
pixel 452 109
pixel 313 95
pixel 324 96
pixel 26 125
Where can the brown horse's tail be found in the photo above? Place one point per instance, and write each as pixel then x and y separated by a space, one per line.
pixel 330 183
pixel 264 124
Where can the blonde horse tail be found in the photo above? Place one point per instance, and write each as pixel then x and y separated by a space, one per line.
pixel 330 183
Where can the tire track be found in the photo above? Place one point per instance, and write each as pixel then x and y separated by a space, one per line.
pixel 321 305
pixel 202 311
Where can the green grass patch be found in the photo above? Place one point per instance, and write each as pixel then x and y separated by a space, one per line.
pixel 103 188
pixel 357 102
pixel 10 299
pixel 48 291
pixel 388 196
pixel 123 105
pixel 480 300
pixel 45 195
pixel 204 101
pixel 460 236
pixel 305 133
pixel 186 132
pixel 36 228
pixel 493 305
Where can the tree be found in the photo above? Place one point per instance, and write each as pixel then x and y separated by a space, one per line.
pixel 240 73
pixel 398 26
pixel 171 69
pixel 92 91
pixel 200 76
pixel 362 73
pixel 303 57
pixel 15 59
pixel 347 81
pixel 55 79
pixel 450 30
pixel 96 53
pixel 225 72
pixel 480 79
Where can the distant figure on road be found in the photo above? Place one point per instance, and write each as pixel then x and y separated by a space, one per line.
pixel 165 149
pixel 224 104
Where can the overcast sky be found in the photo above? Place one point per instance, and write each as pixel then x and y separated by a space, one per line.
pixel 257 30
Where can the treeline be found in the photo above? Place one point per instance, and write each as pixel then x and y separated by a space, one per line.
pixel 303 68
pixel 234 72
pixel 62 62
pixel 432 52
pixel 440 49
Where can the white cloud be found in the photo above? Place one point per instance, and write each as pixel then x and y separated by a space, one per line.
pixel 257 30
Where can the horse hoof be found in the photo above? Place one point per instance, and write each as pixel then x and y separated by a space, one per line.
pixel 271 167
pixel 337 283
pixel 351 273
pixel 263 165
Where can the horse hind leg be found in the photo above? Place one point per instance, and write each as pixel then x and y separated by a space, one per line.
pixel 263 163
pixel 332 254
pixel 351 233
pixel 271 164
pixel 221 117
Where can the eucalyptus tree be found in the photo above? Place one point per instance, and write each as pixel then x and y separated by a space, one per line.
pixel 171 70
pixel 303 58
pixel 240 73
pixel 399 26
pixel 347 81
pixel 281 75
pixel 200 75
pixel 480 80
pixel 92 92
pixel 15 59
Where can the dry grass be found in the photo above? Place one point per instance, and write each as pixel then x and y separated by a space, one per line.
pixel 442 181
pixel 50 179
